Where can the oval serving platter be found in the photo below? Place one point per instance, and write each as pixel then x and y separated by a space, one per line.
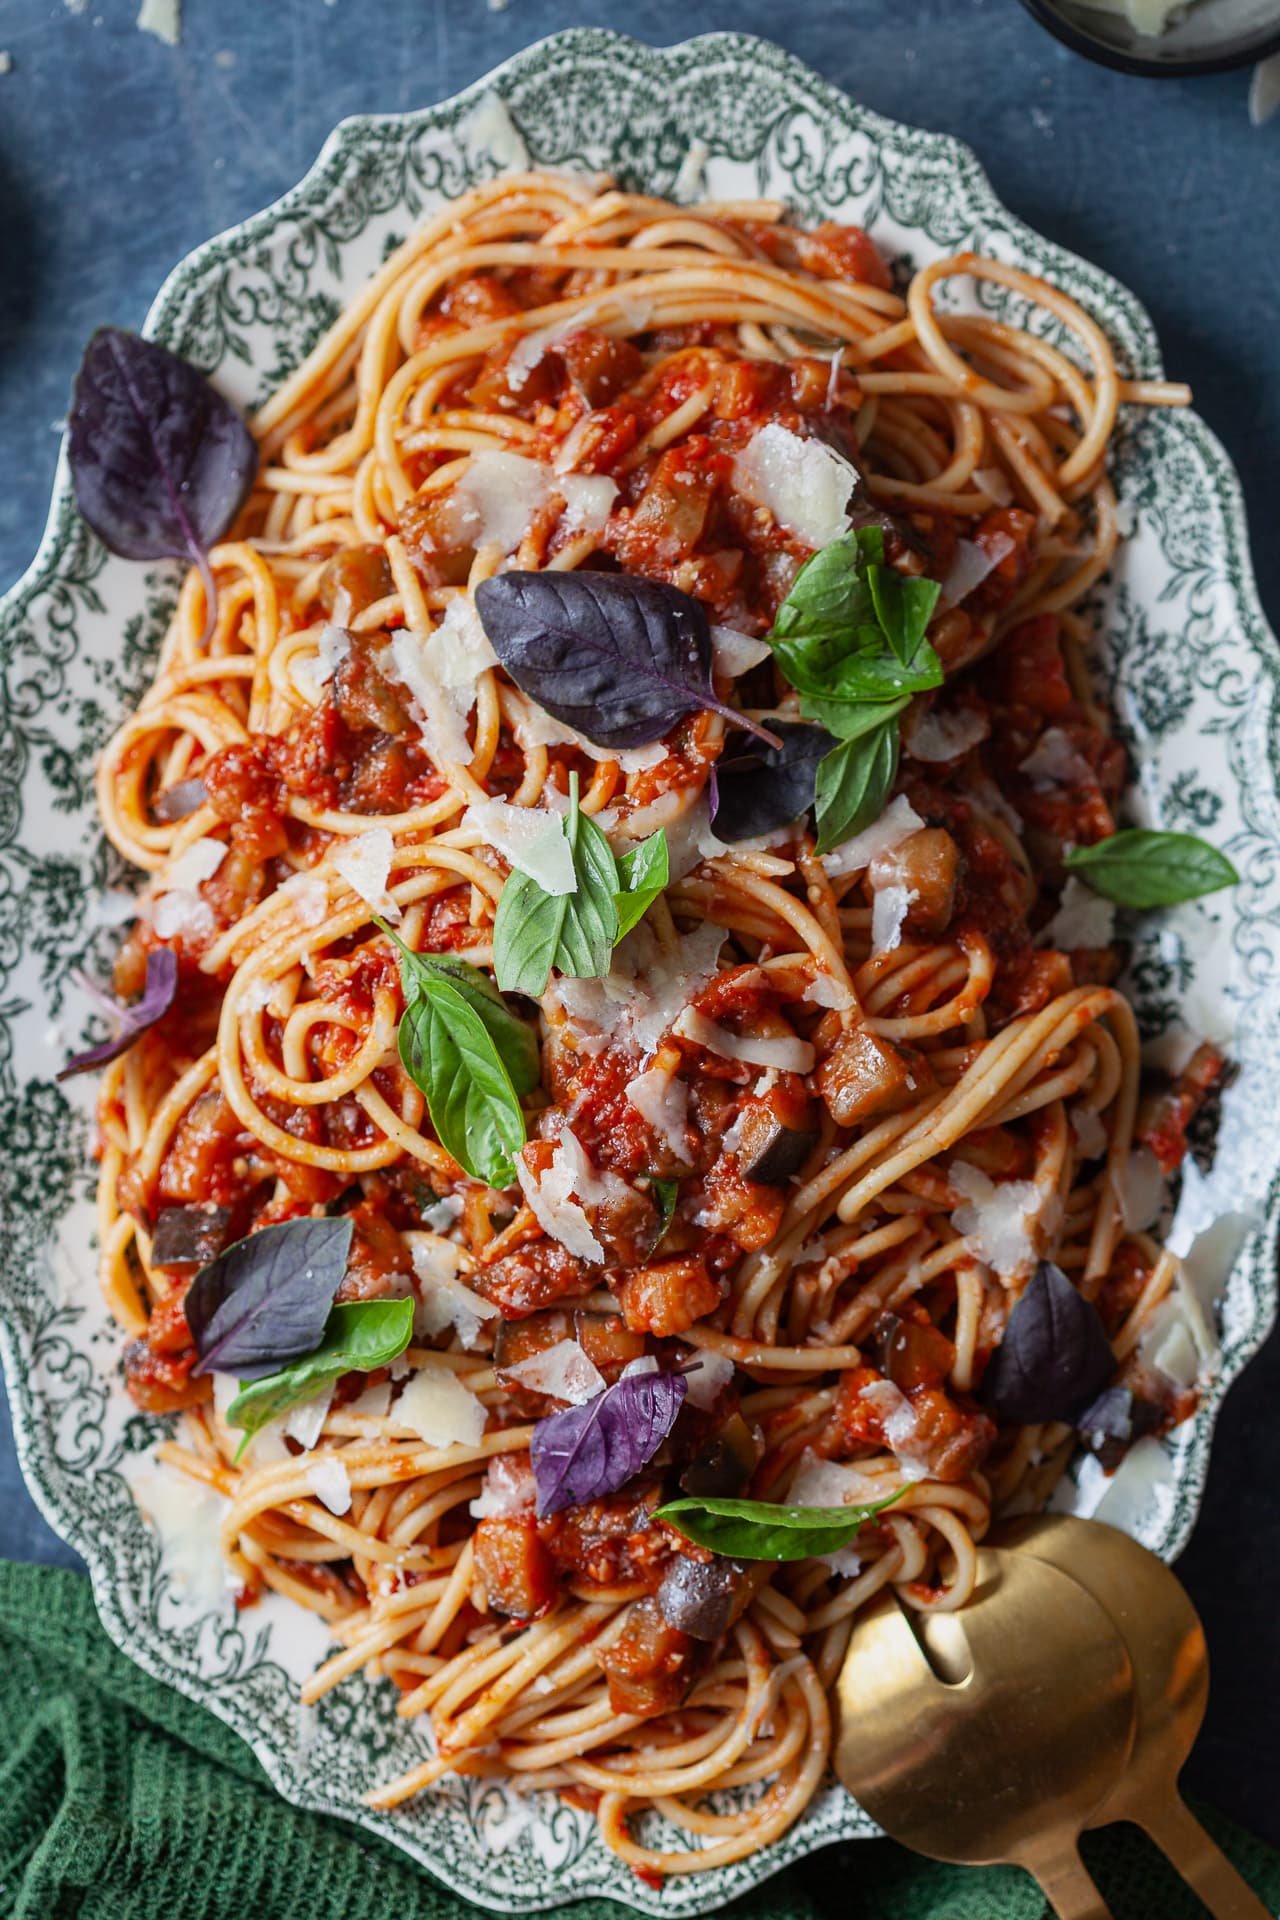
pixel 1188 664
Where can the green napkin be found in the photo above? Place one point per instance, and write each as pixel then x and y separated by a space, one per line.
pixel 119 1800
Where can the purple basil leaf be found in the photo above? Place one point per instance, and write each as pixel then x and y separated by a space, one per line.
pixel 594 1449
pixel 618 658
pixel 177 802
pixel 266 1299
pixel 759 788
pixel 160 462
pixel 1055 1354
pixel 157 998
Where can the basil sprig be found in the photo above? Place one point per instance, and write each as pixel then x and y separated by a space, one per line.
pixel 759 1530
pixel 534 931
pixel 1141 868
pixel 358 1336
pixel 471 1056
pixel 850 638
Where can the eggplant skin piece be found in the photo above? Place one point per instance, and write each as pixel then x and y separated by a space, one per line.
pixel 189 1236
pixel 725 1462
pixel 703 1598
pixel 770 1152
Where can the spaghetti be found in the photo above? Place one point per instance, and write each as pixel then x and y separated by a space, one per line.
pixel 888 1080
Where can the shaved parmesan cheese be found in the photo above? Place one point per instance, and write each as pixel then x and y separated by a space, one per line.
pixel 195 864
pixel 898 820
pixel 332 649
pixel 833 379
pixel 180 913
pixel 889 908
pixel 1177 1341
pixel 647 1363
pixel 945 736
pixel 1141 1190
pixel 441 1216
pixel 330 1482
pixel 1083 919
pixel 825 1483
pixel 588 501
pixel 804 484
pixel 374 1402
pixel 787 1052
pixel 824 990
pixel 533 727
pixel 440 709
pixel 735 652
pixel 495 501
pixel 531 841
pixel 663 1101
pixel 1091 1135
pixel 365 865
pixel 995 484
pixel 998 1222
pixel 460 647
pixel 564 1371
pixel 443 1300
pixel 690 183
pixel 1055 761
pixel 640 998
pixel 439 1408
pixel 551 1198
pixel 308 897
pixel 509 1487
pixel 305 1422
pixel 709 1375
pixel 971 566
pixel 187 1519
pixel 488 128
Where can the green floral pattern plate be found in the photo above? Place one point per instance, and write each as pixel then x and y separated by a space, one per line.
pixel 1188 664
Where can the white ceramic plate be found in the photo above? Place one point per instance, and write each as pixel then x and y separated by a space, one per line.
pixel 1189 665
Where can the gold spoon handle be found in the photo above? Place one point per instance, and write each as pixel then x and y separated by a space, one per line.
pixel 1067 1886
pixel 1201 1862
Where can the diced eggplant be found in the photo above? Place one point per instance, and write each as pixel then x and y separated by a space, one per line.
pixel 703 1598
pixel 181 800
pixel 354 579
pixel 925 864
pixel 769 1151
pixel 189 1236
pixel 725 1462
pixel 864 1074
pixel 364 699
pixel 513 1564
pixel 651 1665
pixel 912 1353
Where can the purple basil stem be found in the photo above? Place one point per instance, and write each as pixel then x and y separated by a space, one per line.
pixel 160 461
pixel 265 1300
pixel 618 658
pixel 588 1451
pixel 157 998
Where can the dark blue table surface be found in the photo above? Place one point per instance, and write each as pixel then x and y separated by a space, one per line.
pixel 118 154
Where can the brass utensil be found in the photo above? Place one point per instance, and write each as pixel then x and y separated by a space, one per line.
pixel 991 1734
pixel 1166 1646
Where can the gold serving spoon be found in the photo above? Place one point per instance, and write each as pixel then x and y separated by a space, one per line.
pixel 1166 1647
pixel 995 1733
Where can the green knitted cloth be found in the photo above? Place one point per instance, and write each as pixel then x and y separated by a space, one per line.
pixel 121 1801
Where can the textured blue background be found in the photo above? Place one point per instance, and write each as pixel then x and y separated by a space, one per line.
pixel 118 154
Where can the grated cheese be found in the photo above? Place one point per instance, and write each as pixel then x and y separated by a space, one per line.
pixel 900 1425
pixel 163 18
pixel 194 865
pixel 995 484
pixel 1140 1190
pixel 971 566
pixel 439 1408
pixel 531 841
pixel 332 649
pixel 1083 919
pixel 180 912
pixel 785 1052
pixel 305 1422
pixel 662 1101
pixel 439 709
pixel 488 128
pixel 643 994
pixel 564 1371
pixel 998 1222
pixel 330 1482
pixel 509 1487
pixel 898 821
pixel 550 1198
pixel 804 484
pixel 365 865
pixel 824 990
pixel 1091 1135
pixel 889 908
pixel 308 898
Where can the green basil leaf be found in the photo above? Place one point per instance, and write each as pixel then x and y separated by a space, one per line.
pixel 358 1336
pixel 534 931
pixel 759 1530
pixel 849 719
pixel 449 1052
pixel 830 595
pixel 853 784
pixel 515 1040
pixel 666 1193
pixel 1140 868
pixel 904 607
pixel 644 871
